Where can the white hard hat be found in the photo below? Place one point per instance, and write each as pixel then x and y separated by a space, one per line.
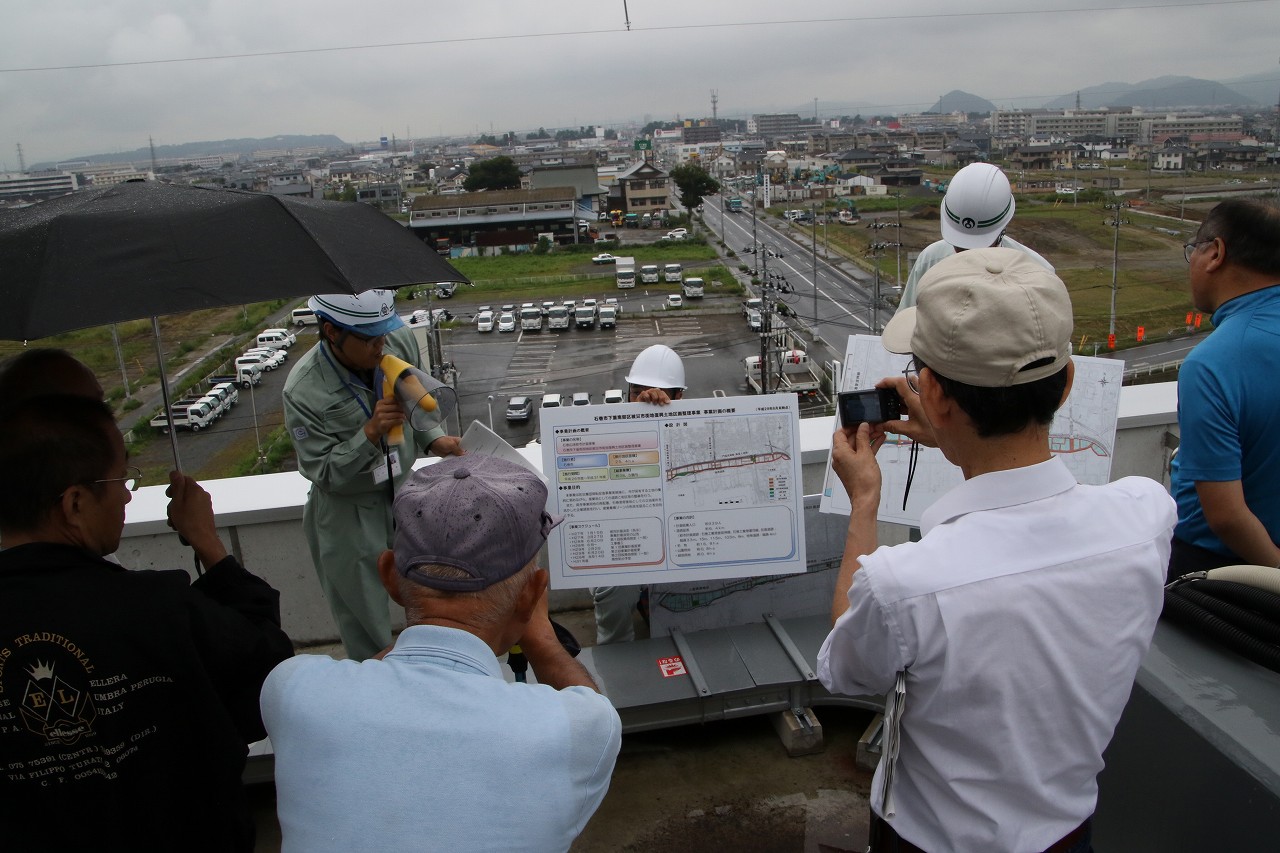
pixel 657 367
pixel 977 207
pixel 371 313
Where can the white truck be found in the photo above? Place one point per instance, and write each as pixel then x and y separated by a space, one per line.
pixel 193 416
pixel 558 317
pixel 625 272
pixel 608 317
pixel 530 319
pixel 244 376
pixel 692 288
pixel 673 273
pixel 797 374
pixel 649 274
pixel 584 316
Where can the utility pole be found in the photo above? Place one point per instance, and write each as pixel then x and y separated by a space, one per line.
pixel 769 282
pixel 152 144
pixel 876 251
pixel 1116 221
pixel 814 213
pixel 877 225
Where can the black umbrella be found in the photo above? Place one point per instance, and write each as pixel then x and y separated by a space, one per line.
pixel 143 249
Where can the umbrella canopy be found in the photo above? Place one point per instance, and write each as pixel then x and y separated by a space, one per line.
pixel 142 249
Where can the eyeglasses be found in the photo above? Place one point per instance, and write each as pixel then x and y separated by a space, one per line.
pixel 364 339
pixel 912 373
pixel 1189 249
pixel 131 481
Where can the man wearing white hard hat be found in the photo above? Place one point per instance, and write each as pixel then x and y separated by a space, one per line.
pixel 338 422
pixel 657 377
pixel 1007 638
pixel 976 210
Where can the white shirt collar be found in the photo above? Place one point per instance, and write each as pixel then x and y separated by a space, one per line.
pixel 999 489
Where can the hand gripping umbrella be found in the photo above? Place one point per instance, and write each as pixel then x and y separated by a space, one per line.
pixel 144 249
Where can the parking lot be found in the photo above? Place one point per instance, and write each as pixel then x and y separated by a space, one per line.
pixel 712 344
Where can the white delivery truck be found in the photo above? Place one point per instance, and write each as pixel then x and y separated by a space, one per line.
pixel 673 273
pixel 584 316
pixel 692 288
pixel 530 319
pixel 558 317
pixel 608 317
pixel 649 274
pixel 625 271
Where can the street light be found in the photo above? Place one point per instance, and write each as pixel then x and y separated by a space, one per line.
pixel 489 402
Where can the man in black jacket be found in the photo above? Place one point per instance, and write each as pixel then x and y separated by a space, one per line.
pixel 126 698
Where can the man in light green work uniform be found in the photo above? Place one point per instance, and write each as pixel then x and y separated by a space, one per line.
pixel 338 422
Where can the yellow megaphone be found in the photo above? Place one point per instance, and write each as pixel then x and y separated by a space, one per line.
pixel 418 393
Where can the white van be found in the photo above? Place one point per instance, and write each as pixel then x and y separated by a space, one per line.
pixel 273 339
pixel 551 401
pixel 303 317
pixel 289 338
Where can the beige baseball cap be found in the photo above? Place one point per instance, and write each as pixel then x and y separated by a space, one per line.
pixel 987 317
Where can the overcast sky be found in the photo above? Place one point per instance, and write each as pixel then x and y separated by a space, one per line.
pixel 479 65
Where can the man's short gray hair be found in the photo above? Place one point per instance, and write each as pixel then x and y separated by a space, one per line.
pixel 495 603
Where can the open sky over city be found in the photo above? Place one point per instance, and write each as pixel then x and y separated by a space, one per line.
pixel 82 77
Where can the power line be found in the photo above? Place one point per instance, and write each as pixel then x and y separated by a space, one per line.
pixel 860 19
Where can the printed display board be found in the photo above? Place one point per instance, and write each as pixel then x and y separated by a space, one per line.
pixel 697 490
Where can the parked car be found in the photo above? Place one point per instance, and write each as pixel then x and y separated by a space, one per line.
pixel 677 233
pixel 509 309
pixel 754 321
pixel 675 300
pixel 519 408
pixel 614 395
pixel 482 309
pixel 753 304
pixel 604 258
pixel 507 322
pixel 547 306
pixel 582 398
pixel 273 357
pixel 551 401
pixel 484 321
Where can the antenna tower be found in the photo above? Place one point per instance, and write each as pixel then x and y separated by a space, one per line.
pixel 715 99
pixel 152 143
pixel 22 163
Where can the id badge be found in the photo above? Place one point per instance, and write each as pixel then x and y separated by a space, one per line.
pixel 380 470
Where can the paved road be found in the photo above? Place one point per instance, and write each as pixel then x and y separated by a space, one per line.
pixel 842 302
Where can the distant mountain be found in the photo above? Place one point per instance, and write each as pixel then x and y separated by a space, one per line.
pixel 956 101
pixel 1263 87
pixel 1161 93
pixel 232 148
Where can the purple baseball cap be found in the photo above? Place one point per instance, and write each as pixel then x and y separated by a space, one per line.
pixel 483 515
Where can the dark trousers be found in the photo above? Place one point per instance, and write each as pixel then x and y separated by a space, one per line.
pixel 883 839
pixel 1185 558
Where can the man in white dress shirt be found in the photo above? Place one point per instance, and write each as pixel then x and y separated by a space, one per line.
pixel 1008 637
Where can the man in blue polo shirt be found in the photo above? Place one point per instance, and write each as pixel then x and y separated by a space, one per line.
pixel 429 748
pixel 1226 476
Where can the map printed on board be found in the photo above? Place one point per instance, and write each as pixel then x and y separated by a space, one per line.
pixel 697 490
pixel 1083 434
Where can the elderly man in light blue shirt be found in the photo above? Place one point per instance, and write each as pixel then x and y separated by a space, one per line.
pixel 428 747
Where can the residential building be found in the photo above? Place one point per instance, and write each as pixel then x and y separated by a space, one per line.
pixel 642 188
